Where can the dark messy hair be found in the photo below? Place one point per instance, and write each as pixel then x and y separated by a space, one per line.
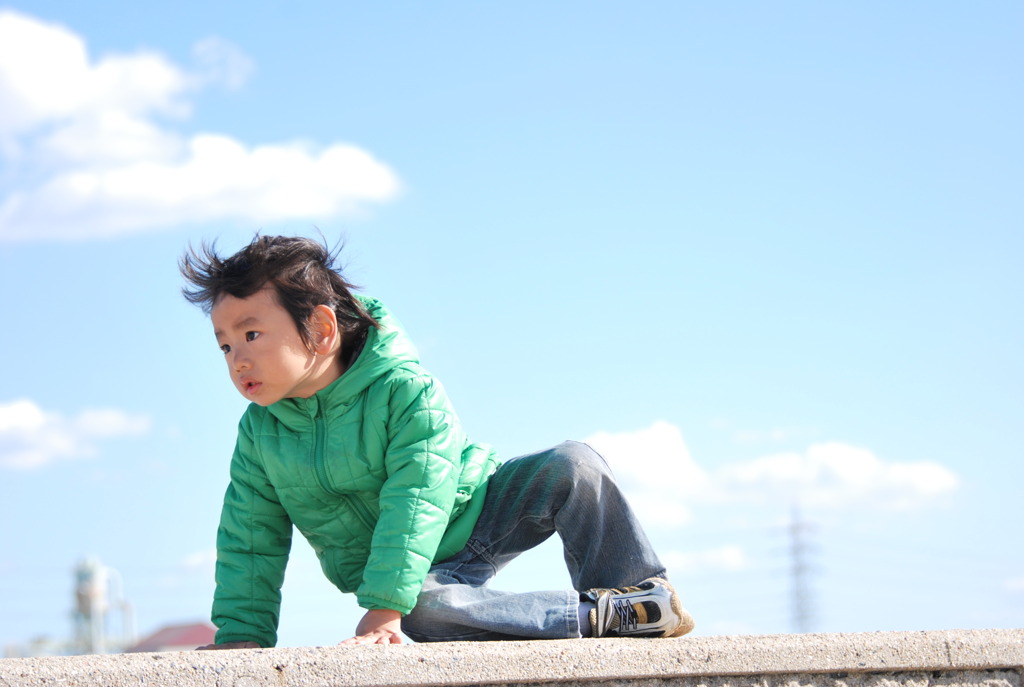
pixel 301 271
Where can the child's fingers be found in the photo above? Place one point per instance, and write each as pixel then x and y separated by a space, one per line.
pixel 382 637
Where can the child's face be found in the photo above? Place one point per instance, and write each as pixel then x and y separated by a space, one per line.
pixel 266 357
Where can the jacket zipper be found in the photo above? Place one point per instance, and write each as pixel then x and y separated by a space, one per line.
pixel 320 466
pixel 360 510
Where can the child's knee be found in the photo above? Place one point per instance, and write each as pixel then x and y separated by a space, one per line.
pixel 417 623
pixel 578 465
pixel 582 458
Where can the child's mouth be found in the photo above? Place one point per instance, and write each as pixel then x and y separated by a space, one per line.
pixel 252 387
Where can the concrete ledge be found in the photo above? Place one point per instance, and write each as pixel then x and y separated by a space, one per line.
pixel 972 658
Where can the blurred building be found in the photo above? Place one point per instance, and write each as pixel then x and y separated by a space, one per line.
pixel 98 592
pixel 103 622
pixel 176 638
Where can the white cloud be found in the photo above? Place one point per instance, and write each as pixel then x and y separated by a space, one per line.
pixel 721 559
pixel 193 567
pixel 223 62
pixel 774 435
pixel 105 423
pixel 31 438
pixel 46 78
pixel 1014 585
pixel 200 561
pixel 836 475
pixel 655 470
pixel 91 149
pixel 662 481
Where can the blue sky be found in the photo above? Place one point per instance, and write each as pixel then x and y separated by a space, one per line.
pixel 765 256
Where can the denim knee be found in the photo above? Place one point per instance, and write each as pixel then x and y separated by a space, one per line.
pixel 420 624
pixel 581 463
pixel 416 627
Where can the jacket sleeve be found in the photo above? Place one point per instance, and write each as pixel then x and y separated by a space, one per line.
pixel 253 543
pixel 422 463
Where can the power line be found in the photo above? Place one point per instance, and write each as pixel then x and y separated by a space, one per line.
pixel 802 600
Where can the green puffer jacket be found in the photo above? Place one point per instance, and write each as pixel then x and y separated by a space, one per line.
pixel 374 470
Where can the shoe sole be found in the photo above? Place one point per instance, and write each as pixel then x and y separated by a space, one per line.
pixel 686 622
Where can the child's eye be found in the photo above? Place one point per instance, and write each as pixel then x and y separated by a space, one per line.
pixel 251 336
pixel 226 349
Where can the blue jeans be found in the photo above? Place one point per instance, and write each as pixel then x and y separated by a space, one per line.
pixel 568 489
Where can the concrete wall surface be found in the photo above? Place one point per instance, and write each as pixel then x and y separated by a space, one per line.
pixel 951 658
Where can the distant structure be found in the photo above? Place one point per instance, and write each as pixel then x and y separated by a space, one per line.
pixel 176 638
pixel 98 594
pixel 98 590
pixel 803 612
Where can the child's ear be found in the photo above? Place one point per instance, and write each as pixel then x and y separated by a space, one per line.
pixel 326 336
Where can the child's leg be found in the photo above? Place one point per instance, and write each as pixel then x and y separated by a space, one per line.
pixel 568 489
pixel 450 610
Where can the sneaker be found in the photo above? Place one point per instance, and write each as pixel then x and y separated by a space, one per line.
pixel 650 609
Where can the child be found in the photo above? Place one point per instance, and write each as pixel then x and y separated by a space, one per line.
pixel 351 441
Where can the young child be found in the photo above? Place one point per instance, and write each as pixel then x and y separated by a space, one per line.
pixel 354 444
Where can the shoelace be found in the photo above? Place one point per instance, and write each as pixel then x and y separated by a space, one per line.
pixel 627 616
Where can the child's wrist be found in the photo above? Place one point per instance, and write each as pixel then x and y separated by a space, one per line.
pixel 385 613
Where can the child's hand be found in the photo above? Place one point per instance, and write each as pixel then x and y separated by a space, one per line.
pixel 229 645
pixel 380 626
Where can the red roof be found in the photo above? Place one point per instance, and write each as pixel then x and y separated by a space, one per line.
pixel 176 637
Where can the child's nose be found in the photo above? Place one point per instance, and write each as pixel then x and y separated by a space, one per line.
pixel 240 362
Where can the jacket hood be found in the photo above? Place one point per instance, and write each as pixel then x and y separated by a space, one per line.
pixel 384 349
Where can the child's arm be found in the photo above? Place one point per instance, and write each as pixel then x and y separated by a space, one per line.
pixel 423 464
pixel 253 543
